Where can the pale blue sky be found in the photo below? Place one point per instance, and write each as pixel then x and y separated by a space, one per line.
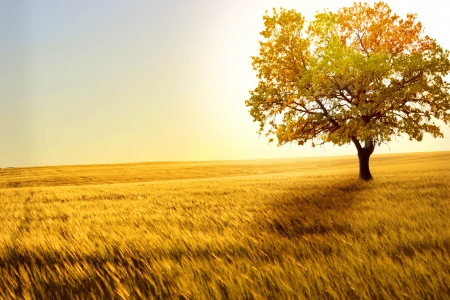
pixel 84 82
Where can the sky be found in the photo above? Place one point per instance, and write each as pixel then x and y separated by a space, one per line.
pixel 94 82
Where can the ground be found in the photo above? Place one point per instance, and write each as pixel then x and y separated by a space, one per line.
pixel 270 229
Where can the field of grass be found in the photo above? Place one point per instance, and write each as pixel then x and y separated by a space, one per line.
pixel 272 229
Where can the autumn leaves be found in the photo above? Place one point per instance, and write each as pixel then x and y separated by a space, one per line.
pixel 362 73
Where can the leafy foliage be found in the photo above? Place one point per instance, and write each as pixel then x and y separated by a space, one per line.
pixel 361 74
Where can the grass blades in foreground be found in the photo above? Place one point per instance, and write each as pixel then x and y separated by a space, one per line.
pixel 289 231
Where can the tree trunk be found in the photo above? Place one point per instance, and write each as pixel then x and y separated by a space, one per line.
pixel 364 156
pixel 364 171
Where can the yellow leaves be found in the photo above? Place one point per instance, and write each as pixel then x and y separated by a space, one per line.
pixel 364 63
pixel 291 99
pixel 282 48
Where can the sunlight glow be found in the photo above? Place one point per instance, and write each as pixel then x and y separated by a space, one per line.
pixel 130 81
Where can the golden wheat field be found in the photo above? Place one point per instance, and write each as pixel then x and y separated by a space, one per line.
pixel 268 229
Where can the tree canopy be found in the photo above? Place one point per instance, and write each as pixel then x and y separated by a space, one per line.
pixel 362 74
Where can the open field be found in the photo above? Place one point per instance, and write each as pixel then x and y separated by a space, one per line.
pixel 272 229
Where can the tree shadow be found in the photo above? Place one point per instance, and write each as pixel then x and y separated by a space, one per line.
pixel 316 211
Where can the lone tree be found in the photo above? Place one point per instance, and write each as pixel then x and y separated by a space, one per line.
pixel 361 75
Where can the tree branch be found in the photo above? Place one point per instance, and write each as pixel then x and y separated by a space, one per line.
pixel 357 143
pixel 325 112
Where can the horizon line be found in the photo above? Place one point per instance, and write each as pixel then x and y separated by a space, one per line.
pixel 213 160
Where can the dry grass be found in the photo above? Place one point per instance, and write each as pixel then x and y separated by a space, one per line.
pixel 275 229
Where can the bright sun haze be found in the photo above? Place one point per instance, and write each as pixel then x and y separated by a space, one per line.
pixel 87 82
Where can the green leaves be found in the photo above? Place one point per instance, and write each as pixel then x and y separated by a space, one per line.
pixel 359 73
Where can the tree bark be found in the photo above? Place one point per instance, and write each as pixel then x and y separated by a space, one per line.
pixel 364 170
pixel 364 154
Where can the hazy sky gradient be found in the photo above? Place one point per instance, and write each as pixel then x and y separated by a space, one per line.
pixel 84 82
